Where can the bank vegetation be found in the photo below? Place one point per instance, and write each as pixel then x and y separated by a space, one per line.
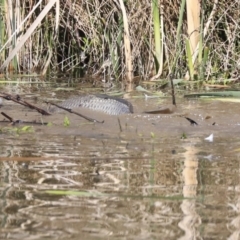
pixel 122 39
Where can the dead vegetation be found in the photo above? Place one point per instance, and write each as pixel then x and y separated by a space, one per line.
pixel 87 37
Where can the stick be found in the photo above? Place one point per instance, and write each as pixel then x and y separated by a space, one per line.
pixel 74 112
pixel 191 121
pixel 120 126
pixel 17 99
pixel 8 117
pixel 24 122
pixel 13 122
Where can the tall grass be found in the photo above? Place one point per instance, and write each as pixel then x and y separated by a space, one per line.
pixel 177 47
pixel 2 29
pixel 157 36
pixel 80 37
pixel 27 35
pixel 127 47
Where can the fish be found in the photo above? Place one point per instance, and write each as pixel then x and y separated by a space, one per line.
pixel 99 102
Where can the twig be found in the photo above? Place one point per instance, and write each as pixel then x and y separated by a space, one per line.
pixel 8 117
pixel 24 122
pixel 74 112
pixel 13 122
pixel 17 99
pixel 119 124
pixel 191 121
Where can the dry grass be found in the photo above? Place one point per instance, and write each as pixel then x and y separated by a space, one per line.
pixel 89 38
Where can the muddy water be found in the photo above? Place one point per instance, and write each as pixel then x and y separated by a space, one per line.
pixel 138 176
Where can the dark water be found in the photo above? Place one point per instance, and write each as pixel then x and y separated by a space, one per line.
pixel 140 181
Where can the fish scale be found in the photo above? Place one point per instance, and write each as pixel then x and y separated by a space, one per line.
pixel 107 104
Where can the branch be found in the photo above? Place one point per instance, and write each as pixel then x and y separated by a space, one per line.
pixel 74 112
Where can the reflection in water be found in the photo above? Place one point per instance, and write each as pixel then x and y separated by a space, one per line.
pixel 114 204
pixel 191 220
pixel 234 225
pixel 92 181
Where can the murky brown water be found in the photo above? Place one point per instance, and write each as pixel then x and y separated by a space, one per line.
pixel 132 178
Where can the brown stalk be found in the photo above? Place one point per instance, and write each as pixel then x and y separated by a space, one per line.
pixel 127 47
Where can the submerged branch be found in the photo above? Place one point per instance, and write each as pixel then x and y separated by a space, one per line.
pixel 74 112
pixel 13 122
pixel 8 117
pixel 17 99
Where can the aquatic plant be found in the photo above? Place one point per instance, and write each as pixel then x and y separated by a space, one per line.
pixel 17 130
pixel 66 121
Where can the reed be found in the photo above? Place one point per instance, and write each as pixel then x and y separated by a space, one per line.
pixel 203 53
pixel 135 38
pixel 177 46
pixel 189 59
pixel 127 48
pixel 29 32
pixel 157 37
pixel 193 23
pixel 2 31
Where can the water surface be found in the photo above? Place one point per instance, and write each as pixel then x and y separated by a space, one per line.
pixel 136 176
